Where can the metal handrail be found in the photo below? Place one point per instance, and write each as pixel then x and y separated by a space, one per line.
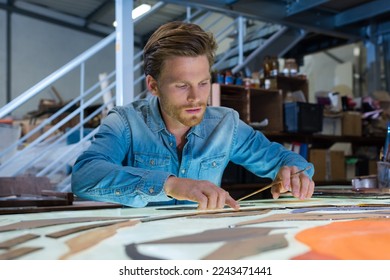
pixel 36 89
pixel 46 170
pixel 48 121
pixel 49 132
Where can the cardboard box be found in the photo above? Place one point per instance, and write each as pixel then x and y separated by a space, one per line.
pixel 329 165
pixel 352 123
pixel 318 158
pixel 372 167
pixel 10 134
pixel 332 126
pixel 27 127
pixel 350 167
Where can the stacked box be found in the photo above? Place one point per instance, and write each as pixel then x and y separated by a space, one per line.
pixel 303 117
pixel 352 123
pixel 329 165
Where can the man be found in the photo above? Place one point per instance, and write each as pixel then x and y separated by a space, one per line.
pixel 172 147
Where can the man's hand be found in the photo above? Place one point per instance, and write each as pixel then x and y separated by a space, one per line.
pixel 205 193
pixel 299 185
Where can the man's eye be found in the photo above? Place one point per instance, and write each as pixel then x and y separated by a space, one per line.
pixel 181 86
pixel 204 84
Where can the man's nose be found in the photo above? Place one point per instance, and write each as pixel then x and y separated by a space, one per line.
pixel 193 95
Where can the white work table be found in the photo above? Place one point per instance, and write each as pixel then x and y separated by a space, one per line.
pixel 156 223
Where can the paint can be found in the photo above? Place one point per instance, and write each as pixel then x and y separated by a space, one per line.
pixel 365 182
pixel 383 168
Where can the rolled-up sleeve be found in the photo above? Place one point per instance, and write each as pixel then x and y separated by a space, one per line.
pixel 262 157
pixel 99 173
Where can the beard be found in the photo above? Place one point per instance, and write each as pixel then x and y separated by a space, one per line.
pixel 179 113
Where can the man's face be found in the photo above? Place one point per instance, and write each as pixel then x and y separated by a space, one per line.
pixel 183 89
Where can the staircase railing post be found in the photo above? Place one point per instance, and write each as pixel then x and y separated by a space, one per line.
pixel 82 83
pixel 241 34
pixel 124 52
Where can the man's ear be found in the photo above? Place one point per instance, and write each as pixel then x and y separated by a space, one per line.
pixel 151 84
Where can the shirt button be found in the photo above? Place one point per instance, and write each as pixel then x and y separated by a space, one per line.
pixel 171 144
pixel 151 162
pixel 151 190
pixel 214 164
pixel 183 171
pixel 117 192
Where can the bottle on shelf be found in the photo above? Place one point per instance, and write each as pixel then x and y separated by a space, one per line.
pixel 267 67
pixel 239 78
pixel 267 72
pixel 220 78
pixel 274 71
pixel 255 82
pixel 290 67
pixel 274 67
pixel 229 79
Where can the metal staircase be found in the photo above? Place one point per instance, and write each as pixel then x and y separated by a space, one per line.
pixel 242 46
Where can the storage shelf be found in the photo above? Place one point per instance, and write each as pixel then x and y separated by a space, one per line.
pixel 319 138
pixel 254 104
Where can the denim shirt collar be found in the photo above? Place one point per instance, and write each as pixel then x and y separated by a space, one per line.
pixel 156 122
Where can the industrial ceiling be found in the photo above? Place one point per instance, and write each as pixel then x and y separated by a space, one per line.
pixel 326 22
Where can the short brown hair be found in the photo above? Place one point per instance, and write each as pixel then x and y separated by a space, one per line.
pixel 177 39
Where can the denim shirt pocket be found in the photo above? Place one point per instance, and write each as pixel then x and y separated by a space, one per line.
pixel 211 168
pixel 152 161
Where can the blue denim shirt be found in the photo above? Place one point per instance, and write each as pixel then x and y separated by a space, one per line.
pixel 133 154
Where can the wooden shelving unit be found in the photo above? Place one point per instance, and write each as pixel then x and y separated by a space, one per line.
pixel 325 140
pixel 290 84
pixel 256 104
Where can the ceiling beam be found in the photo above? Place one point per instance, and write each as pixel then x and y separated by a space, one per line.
pixel 304 14
pixel 384 28
pixel 363 12
pixel 21 11
pixel 99 11
pixel 275 12
pixel 303 5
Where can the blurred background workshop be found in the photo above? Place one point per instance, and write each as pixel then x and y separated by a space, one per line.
pixel 313 75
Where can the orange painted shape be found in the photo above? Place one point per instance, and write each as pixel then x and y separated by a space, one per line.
pixel 365 239
pixel 313 256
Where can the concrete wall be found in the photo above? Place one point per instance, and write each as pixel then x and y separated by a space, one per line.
pixel 3 66
pixel 323 71
pixel 38 49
